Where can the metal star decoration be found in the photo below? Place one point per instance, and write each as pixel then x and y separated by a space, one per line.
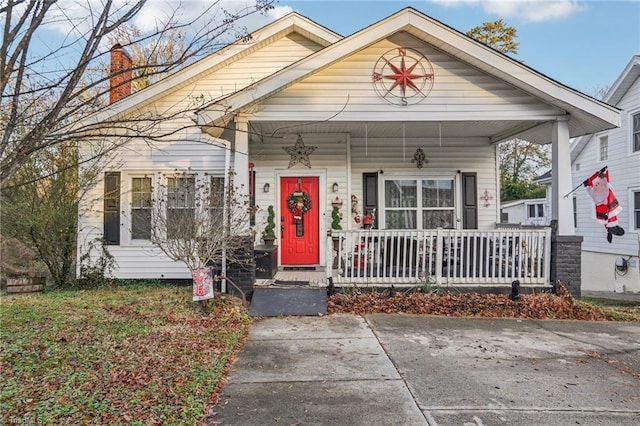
pixel 299 153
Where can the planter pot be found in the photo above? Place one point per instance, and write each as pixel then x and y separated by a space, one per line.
pixel 266 258
pixel 268 241
pixel 25 285
pixel 336 243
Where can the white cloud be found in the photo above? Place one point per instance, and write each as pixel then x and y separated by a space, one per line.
pixel 77 16
pixel 523 10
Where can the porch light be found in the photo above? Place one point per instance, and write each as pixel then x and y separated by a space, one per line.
pixel 336 187
pixel 266 187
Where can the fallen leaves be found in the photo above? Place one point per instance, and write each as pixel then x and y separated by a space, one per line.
pixel 120 356
pixel 537 306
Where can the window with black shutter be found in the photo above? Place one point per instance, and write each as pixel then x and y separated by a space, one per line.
pixel 469 201
pixel 112 208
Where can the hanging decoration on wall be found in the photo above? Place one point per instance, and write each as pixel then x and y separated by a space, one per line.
pixel 607 206
pixel 487 197
pixel 299 153
pixel 419 158
pixel 299 203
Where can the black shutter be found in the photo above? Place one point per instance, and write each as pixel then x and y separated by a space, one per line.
pixel 469 201
pixel 370 201
pixel 112 208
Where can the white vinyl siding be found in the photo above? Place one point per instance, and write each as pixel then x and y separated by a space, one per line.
pixel 459 90
pixel 137 258
pixel 624 171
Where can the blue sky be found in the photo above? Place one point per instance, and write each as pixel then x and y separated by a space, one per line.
pixel 583 44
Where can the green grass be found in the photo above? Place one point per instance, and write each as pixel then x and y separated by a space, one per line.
pixel 121 356
pixel 620 310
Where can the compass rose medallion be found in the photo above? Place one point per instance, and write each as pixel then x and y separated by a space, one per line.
pixel 403 76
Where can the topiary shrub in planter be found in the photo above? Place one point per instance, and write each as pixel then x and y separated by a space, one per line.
pixel 269 233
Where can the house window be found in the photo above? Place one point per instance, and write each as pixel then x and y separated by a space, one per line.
pixel 504 217
pixel 635 132
pixel 604 148
pixel 181 202
pixel 636 210
pixel 141 208
pixel 419 203
pixel 216 196
pixel 535 210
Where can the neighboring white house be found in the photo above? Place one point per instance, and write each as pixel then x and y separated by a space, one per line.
pixel 529 212
pixel 400 120
pixel 612 266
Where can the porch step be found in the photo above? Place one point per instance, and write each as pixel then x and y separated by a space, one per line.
pixel 274 301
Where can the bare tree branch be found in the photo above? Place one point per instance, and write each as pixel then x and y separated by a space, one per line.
pixel 47 89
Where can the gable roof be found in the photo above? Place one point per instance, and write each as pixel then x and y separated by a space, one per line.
pixel 613 96
pixel 543 178
pixel 513 203
pixel 586 115
pixel 290 23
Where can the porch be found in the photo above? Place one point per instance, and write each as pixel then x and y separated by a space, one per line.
pixel 440 257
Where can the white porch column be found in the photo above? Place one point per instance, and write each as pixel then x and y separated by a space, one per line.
pixel 561 207
pixel 241 160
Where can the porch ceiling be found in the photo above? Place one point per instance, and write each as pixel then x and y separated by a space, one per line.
pixel 493 130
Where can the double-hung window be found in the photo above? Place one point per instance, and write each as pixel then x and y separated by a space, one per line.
pixel 419 203
pixel 636 209
pixel 181 204
pixel 604 148
pixel 635 132
pixel 216 199
pixel 140 208
pixel 535 210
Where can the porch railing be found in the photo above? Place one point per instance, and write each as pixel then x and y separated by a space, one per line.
pixel 442 257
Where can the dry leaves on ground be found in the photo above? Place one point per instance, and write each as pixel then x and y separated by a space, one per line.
pixel 538 306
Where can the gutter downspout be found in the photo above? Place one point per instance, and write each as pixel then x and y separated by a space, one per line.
pixel 227 181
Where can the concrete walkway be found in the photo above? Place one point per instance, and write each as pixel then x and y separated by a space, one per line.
pixel 425 370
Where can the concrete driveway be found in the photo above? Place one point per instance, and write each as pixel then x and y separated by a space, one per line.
pixel 416 370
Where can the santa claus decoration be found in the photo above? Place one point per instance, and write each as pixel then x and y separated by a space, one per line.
pixel 607 206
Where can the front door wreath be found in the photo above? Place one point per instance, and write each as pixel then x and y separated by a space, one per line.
pixel 299 203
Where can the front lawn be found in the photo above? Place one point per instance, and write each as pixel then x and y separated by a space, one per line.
pixel 142 355
pixel 124 356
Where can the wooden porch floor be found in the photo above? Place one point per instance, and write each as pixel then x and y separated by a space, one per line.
pixel 314 278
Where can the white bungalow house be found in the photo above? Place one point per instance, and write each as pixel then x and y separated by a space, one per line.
pixel 399 121
pixel 612 266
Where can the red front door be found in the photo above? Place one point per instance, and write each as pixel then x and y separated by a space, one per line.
pixel 300 235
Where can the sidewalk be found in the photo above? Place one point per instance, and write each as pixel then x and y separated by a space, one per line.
pixel 315 370
pixel 426 370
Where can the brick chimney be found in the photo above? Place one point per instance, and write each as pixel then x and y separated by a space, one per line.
pixel 121 74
